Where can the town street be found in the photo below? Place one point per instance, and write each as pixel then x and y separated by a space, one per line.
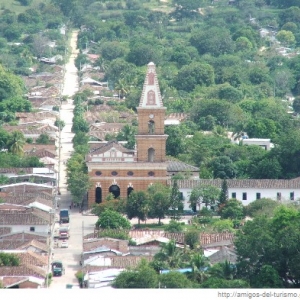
pixel 79 224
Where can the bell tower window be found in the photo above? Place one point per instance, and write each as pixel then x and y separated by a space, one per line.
pixel 151 154
pixel 151 127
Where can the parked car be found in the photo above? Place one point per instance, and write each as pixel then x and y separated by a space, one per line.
pixel 64 244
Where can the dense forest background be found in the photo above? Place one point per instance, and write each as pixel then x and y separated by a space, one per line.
pixel 231 66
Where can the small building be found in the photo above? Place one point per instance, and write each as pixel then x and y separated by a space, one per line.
pixel 264 143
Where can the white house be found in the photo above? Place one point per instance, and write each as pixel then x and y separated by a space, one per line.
pixel 247 190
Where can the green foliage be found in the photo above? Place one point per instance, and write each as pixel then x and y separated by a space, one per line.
pixel 113 204
pixel 194 74
pixel 141 277
pixel 176 202
pixel 206 194
pixel 262 206
pixel 9 260
pixel 115 234
pixel 174 226
pixel 159 196
pixel 226 225
pixel 110 219
pixel 233 210
pixel 273 251
pixel 43 139
pixel 137 205
pixel 192 238
pixel 174 280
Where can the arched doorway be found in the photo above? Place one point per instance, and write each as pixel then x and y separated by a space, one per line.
pixel 115 190
pixel 151 154
pixel 98 195
pixel 129 190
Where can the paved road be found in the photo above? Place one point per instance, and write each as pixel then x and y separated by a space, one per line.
pixel 79 224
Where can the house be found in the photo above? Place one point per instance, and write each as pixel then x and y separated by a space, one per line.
pixel 99 279
pixel 23 218
pixel 247 190
pixel 21 282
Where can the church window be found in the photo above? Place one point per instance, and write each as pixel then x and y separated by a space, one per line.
pixel 98 173
pixel 98 195
pixel 130 173
pixel 151 154
pixel 114 173
pixel 151 98
pixel 151 127
pixel 151 173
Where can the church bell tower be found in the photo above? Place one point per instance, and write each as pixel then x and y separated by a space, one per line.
pixel 151 139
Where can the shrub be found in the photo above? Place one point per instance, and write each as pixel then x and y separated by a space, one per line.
pixel 174 226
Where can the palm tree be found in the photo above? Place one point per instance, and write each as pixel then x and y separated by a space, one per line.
pixel 199 264
pixel 223 270
pixel 122 88
pixel 16 143
pixel 170 255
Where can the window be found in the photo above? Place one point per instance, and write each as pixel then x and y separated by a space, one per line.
pixel 181 196
pixel 151 173
pixel 233 195
pixel 244 196
pixel 151 127
pixel 130 173
pixel 114 173
pixel 292 196
pixel 98 173
pixel 278 196
pixel 257 196
pixel 32 229
pixel 151 154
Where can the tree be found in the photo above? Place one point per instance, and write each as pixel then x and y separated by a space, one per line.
pixel 169 256
pixel 233 210
pixel 175 142
pixel 137 205
pixel 112 50
pixel 43 139
pixel 206 194
pixel 199 264
pixel 159 196
pixel 174 280
pixel 16 143
pixel 223 226
pixel 223 197
pixel 214 40
pixel 174 226
pixel 9 260
pixel 285 37
pixel 110 219
pixel 192 238
pixel 141 277
pixel 194 74
pixel 223 167
pixel 176 202
pixel 262 206
pixel 127 133
pixel 117 205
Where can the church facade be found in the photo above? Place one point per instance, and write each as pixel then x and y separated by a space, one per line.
pixel 114 169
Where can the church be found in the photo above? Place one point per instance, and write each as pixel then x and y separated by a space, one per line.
pixel 112 168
